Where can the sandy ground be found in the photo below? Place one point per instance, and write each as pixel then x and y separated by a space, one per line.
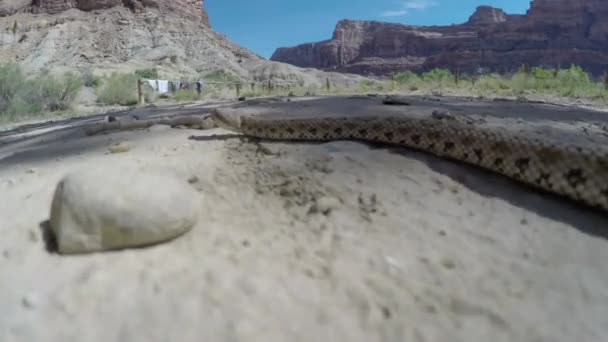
pixel 340 241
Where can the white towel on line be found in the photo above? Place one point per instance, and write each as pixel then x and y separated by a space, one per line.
pixel 163 86
pixel 152 84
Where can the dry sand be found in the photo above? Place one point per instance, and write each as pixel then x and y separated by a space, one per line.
pixel 340 241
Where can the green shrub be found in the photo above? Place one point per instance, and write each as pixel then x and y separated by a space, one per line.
pixel 437 75
pixel 12 81
pixel 542 73
pixel 370 85
pixel 149 74
pixel 119 89
pixel 54 93
pixel 186 95
pixel 491 83
pixel 90 80
pixel 45 92
pixel 405 77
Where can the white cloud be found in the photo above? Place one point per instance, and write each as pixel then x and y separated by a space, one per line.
pixel 420 4
pixel 417 5
pixel 398 13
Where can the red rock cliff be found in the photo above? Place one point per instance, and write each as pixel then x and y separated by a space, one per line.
pixel 551 33
pixel 191 9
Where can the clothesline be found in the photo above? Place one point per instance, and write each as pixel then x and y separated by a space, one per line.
pixel 165 86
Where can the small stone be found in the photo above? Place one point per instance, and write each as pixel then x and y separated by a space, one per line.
pixel 193 180
pixel 442 115
pixel 6 254
pixel 120 206
pixel 30 171
pixel 326 205
pixel 449 264
pixel 119 148
pixel 33 237
pixel 28 301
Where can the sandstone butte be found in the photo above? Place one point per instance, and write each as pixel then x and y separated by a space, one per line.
pixel 553 33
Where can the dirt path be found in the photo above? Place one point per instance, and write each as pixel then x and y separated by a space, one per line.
pixel 339 241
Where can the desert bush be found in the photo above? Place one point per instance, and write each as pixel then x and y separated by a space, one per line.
pixel 571 82
pixel 186 95
pixel 119 89
pixel 149 74
pixel 541 73
pixel 45 92
pixel 574 81
pixel 90 80
pixel 55 93
pixel 12 81
pixel 437 75
pixel 405 77
pixel 492 83
pixel 370 85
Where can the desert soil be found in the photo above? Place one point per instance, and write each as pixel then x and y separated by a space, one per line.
pixel 340 241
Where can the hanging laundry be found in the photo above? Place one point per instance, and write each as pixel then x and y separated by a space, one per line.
pixel 176 85
pixel 153 84
pixel 199 86
pixel 163 86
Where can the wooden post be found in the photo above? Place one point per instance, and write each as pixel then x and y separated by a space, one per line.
pixel 606 80
pixel 253 88
pixel 238 90
pixel 327 85
pixel 457 76
pixel 269 87
pixel 141 100
pixel 556 71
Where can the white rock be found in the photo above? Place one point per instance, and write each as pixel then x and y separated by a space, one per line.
pixel 120 206
pixel 326 205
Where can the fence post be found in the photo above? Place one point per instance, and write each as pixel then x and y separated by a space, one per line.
pixel 327 84
pixel 457 76
pixel 606 80
pixel 238 90
pixel 556 71
pixel 269 87
pixel 141 100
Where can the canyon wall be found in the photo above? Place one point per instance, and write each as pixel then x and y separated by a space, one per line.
pixel 551 33
pixel 190 9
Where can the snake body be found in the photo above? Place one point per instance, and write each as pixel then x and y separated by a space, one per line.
pixel 576 172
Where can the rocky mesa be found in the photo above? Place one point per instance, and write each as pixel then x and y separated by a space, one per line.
pixel 105 36
pixel 551 33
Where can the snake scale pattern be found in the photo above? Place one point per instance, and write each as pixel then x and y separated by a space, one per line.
pixel 579 173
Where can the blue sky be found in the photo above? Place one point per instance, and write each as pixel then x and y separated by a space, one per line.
pixel 264 25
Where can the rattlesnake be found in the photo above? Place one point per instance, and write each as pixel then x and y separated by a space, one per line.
pixel 579 173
